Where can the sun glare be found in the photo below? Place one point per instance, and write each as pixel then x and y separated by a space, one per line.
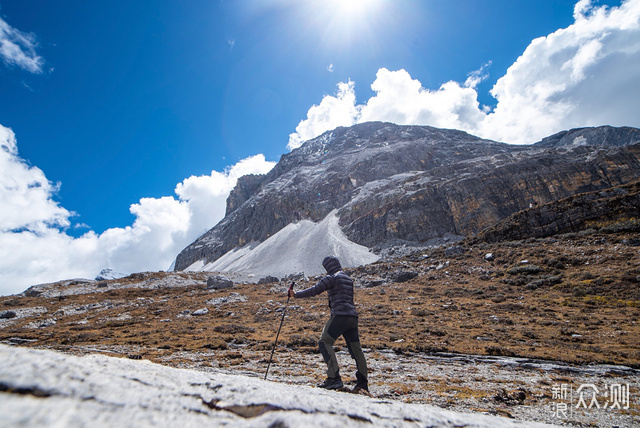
pixel 350 19
pixel 341 25
pixel 355 7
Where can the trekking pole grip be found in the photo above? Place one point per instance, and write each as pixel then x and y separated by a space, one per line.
pixel 289 291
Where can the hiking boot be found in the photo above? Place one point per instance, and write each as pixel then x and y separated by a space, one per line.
pixel 331 383
pixel 361 389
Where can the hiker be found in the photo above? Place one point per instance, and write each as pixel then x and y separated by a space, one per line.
pixel 343 322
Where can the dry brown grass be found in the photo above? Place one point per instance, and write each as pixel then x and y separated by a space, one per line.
pixel 574 298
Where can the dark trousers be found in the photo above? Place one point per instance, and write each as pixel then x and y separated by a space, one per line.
pixel 347 327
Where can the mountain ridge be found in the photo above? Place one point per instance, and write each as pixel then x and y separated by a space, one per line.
pixel 417 185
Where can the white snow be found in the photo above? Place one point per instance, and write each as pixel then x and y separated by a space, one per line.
pixel 299 247
pixel 106 274
pixel 580 141
pixel 45 388
pixel 195 267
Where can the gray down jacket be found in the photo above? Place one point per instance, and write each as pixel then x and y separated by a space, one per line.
pixel 338 286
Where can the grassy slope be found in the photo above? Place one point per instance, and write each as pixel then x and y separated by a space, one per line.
pixel 573 298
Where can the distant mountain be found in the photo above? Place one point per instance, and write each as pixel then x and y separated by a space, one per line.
pixel 361 190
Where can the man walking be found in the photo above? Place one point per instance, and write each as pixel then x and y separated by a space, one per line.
pixel 343 322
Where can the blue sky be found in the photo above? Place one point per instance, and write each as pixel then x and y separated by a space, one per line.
pixel 126 123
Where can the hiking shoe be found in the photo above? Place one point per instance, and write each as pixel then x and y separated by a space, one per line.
pixel 331 383
pixel 361 389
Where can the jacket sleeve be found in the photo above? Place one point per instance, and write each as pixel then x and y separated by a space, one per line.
pixel 320 287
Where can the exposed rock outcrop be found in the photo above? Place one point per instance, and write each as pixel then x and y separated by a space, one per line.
pixel 615 207
pixel 45 388
pixel 420 185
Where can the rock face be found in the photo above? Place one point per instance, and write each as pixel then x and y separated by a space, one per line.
pixel 45 388
pixel 618 207
pixel 391 184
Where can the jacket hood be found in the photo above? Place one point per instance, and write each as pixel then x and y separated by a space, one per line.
pixel 331 264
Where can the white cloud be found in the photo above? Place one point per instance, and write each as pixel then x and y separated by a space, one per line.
pixel 333 111
pixel 478 76
pixel 582 75
pixel 35 248
pixel 403 100
pixel 18 48
pixel 27 191
pixel 398 99
pixel 207 195
pixel 582 9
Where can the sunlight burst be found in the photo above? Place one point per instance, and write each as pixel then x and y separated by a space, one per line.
pixel 351 12
pixel 354 8
pixel 350 20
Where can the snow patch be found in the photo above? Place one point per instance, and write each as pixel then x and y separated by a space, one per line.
pixel 230 257
pixel 107 274
pixel 299 247
pixel 196 267
pixel 579 141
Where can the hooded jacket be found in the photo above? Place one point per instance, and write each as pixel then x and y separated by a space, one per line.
pixel 339 288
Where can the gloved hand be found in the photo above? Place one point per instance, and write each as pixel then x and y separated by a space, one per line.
pixel 291 292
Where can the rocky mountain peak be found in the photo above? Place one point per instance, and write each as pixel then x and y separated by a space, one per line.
pixel 388 184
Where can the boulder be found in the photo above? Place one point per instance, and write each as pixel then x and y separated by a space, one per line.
pixel 453 251
pixel 34 291
pixel 218 282
pixel 403 276
pixel 299 276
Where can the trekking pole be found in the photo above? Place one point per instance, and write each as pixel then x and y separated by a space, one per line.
pixel 277 335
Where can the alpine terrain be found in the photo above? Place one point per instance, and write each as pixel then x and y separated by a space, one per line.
pixel 493 283
pixel 363 191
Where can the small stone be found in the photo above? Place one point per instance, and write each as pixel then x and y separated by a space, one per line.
pixel 7 314
pixel 373 283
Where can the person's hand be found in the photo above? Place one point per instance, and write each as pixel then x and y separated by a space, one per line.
pixel 291 292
